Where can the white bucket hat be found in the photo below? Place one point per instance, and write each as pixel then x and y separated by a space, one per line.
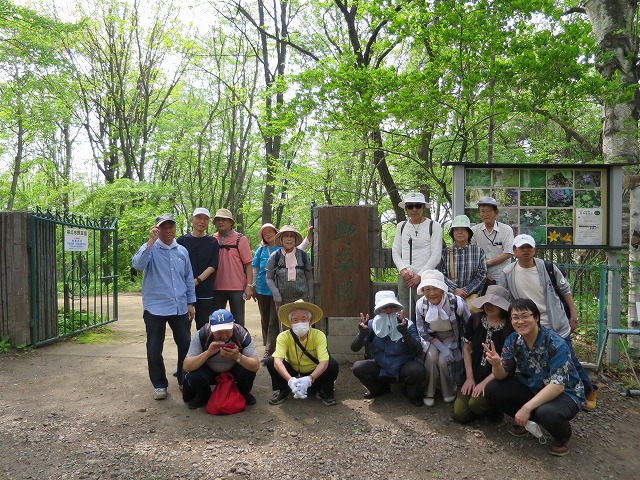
pixel 432 278
pixel 386 298
pixel 413 197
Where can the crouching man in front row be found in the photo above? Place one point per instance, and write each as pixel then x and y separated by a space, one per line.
pixel 220 346
pixel 301 364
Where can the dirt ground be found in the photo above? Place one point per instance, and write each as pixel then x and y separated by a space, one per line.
pixel 72 411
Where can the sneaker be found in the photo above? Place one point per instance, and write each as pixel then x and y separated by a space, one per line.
pixel 159 393
pixel 590 406
pixel 429 401
pixel 278 397
pixel 559 448
pixel 517 431
pixel 249 399
pixel 450 399
pixel 327 399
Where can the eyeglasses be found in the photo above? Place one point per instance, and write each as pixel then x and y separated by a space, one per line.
pixel 524 316
pixel 413 206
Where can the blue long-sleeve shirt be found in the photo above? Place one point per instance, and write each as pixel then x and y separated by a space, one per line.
pixel 167 286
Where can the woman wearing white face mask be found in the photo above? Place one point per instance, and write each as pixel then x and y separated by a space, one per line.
pixel 394 343
pixel 300 364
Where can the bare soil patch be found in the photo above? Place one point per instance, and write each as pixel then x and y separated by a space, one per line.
pixel 71 411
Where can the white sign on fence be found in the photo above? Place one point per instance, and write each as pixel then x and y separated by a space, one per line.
pixel 76 239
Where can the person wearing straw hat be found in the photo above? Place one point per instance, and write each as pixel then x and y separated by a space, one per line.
pixel 168 296
pixel 495 238
pixel 203 254
pixel 300 364
pixel 417 246
pixel 394 343
pixel 234 279
pixel 491 324
pixel 441 317
pixel 289 275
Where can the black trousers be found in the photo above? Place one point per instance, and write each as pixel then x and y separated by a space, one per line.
pixel 324 383
pixel 200 380
pixel 509 395
pixel 236 303
pixel 412 374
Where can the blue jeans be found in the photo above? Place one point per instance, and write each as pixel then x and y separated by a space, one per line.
pixel 582 373
pixel 156 326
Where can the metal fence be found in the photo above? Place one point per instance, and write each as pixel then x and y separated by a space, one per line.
pixel 73 272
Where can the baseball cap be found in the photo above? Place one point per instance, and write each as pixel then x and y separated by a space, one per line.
pixel 524 239
pixel 221 320
pixel 165 217
pixel 201 211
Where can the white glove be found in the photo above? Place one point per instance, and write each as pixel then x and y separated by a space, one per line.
pixel 303 384
pixel 293 384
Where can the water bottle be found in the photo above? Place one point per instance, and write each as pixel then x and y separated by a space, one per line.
pixel 534 429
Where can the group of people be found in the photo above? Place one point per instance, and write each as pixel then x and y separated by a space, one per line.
pixel 195 276
pixel 513 355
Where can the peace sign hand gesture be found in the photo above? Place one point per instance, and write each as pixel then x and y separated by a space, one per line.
pixel 363 327
pixel 491 355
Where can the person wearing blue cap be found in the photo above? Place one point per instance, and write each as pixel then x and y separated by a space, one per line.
pixel 222 345
pixel 168 296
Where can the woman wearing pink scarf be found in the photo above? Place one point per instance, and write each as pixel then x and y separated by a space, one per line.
pixel 289 275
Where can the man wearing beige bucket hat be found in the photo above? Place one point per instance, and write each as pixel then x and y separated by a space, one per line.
pixel 289 274
pixel 234 278
pixel 301 364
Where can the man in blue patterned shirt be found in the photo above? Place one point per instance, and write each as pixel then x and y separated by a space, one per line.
pixel 535 379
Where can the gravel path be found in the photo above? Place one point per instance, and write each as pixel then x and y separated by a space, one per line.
pixel 72 411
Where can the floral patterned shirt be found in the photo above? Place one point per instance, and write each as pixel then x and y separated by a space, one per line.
pixel 548 361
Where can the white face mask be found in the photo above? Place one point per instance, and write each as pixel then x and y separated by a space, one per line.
pixel 300 329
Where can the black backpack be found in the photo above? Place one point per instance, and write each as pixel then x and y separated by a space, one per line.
pixel 548 265
pixel 227 247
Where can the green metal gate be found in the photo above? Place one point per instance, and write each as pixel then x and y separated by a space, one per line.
pixel 74 274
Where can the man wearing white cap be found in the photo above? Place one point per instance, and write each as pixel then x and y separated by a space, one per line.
pixel 528 278
pixel 495 238
pixel 203 253
pixel 417 246
pixel 168 295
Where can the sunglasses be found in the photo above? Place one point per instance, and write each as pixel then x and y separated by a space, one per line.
pixel 413 206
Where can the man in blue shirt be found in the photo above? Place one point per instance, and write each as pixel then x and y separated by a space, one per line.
pixel 168 296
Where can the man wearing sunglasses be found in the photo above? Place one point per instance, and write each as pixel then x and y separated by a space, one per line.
pixel 417 246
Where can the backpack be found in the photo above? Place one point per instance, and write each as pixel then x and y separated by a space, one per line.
pixel 548 265
pixel 278 255
pixel 227 247
pixel 404 224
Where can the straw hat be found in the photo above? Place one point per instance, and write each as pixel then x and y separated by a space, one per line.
pixel 285 229
pixel 285 310
pixel 224 213
pixel 266 225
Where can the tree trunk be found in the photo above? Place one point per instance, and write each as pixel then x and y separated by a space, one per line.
pixel 613 23
pixel 17 160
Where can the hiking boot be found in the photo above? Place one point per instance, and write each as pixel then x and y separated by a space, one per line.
pixel 517 431
pixel 278 396
pixel 450 399
pixel 160 393
pixel 559 448
pixel 590 406
pixel 249 399
pixel 326 398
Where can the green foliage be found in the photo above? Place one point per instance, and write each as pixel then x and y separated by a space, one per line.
pixel 97 336
pixel 5 344
pixel 76 320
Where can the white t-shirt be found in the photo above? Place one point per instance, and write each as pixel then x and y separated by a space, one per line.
pixel 527 283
